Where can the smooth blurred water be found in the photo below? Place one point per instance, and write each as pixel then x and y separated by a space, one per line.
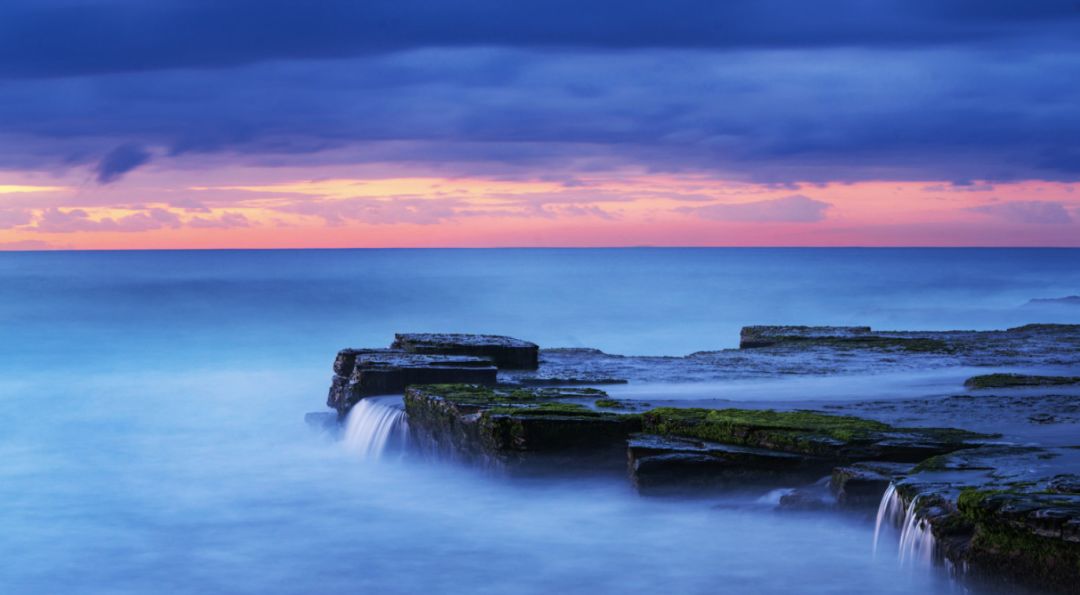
pixel 153 403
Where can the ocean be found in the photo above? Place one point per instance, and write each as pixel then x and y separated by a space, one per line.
pixel 155 441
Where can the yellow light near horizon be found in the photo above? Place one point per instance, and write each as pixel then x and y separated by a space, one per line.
pixel 18 188
pixel 385 187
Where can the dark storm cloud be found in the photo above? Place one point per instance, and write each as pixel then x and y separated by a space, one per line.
pixel 776 91
pixel 63 37
pixel 120 161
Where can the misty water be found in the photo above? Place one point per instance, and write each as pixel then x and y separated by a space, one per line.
pixel 154 437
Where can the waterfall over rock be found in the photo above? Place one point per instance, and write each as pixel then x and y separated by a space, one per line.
pixel 916 538
pixel 376 425
pixel 889 513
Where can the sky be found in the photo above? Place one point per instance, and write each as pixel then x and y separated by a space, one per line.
pixel 132 124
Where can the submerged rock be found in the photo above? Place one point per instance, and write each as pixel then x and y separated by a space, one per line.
pixel 381 372
pixel 507 353
pixel 503 427
pixel 1018 380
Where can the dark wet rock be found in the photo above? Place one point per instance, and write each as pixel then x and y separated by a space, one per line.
pixel 838 438
pixel 1005 512
pixel 507 353
pixel 839 337
pixel 381 372
pixel 693 448
pixel 674 464
pixel 877 352
pixel 861 485
pixel 766 336
pixel 510 428
pixel 564 381
pixel 1018 380
pixel 1066 483
pixel 345 361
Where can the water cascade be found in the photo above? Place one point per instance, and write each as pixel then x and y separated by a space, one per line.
pixel 916 538
pixel 890 512
pixel 374 425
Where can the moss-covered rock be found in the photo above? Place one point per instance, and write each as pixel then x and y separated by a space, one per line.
pixel 720 447
pixel 504 427
pixel 839 337
pixel 1018 380
pixel 837 438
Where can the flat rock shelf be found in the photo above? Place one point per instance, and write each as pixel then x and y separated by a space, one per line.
pixel 964 496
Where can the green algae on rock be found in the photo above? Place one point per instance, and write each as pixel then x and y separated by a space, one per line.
pixel 1018 380
pixel 840 337
pixel 837 437
pixel 693 448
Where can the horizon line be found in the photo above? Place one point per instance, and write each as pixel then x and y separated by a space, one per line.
pixel 633 247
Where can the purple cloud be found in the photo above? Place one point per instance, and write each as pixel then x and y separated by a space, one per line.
pixel 1039 212
pixel 225 221
pixel 55 220
pixel 790 209
pixel 14 217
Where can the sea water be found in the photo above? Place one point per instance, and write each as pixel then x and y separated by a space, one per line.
pixel 154 441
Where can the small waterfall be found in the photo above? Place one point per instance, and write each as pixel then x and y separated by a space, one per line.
pixel 890 512
pixel 916 538
pixel 374 424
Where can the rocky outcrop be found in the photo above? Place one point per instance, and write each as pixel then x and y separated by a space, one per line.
pixel 511 428
pixel 506 352
pixel 381 372
pixel 418 358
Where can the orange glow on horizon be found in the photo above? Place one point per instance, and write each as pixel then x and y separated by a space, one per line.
pixel 633 209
